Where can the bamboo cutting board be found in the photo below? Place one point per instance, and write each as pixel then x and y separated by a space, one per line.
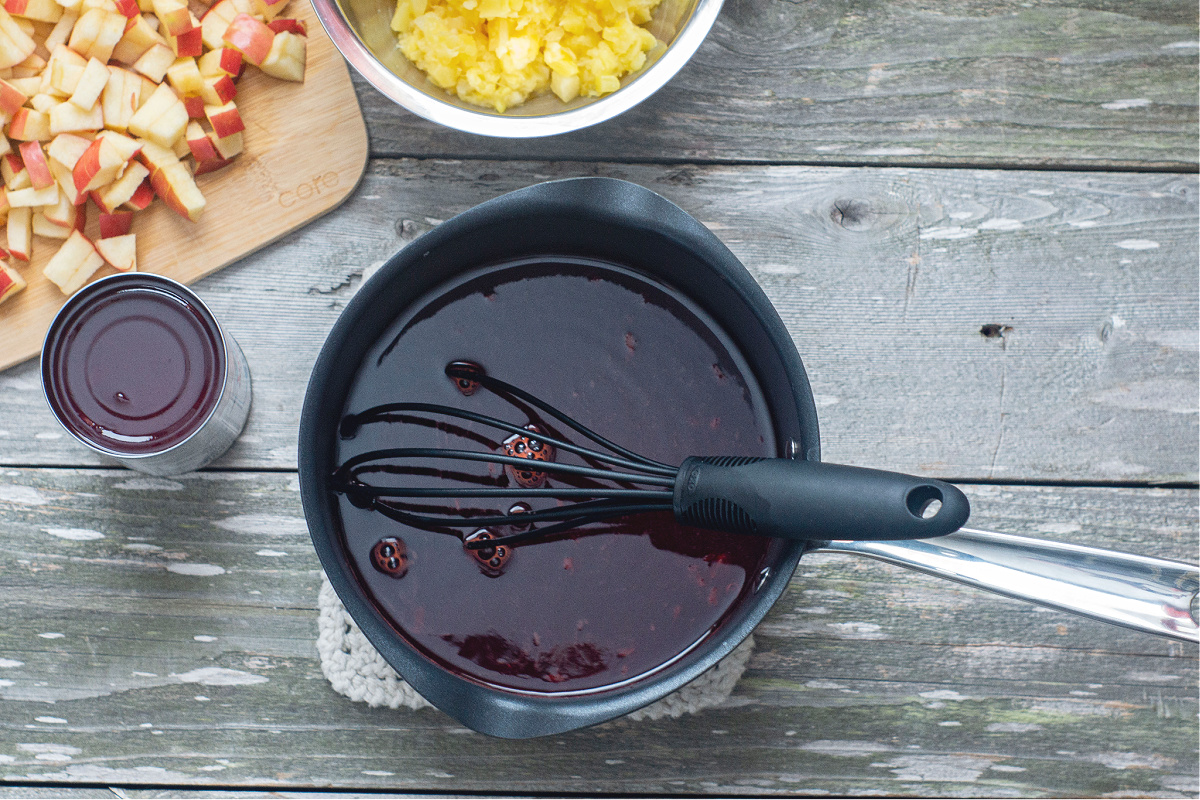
pixel 305 150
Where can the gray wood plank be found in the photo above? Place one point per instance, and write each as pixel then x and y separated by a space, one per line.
pixel 885 277
pixel 1064 82
pixel 127 598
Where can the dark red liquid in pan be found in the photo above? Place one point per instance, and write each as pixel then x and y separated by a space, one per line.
pixel 634 362
pixel 135 370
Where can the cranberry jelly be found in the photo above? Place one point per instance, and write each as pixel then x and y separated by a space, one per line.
pixel 605 604
pixel 133 368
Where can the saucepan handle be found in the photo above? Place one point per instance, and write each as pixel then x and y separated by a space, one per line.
pixel 1154 595
pixel 791 499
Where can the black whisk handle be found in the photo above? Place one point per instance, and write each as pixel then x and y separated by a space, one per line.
pixel 811 500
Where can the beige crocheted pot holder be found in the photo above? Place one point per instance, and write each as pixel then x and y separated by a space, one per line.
pixel 356 670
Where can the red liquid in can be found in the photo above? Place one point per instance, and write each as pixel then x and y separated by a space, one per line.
pixel 133 370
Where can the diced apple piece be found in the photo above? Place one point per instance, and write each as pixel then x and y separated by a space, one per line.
pixel 106 5
pixel 174 16
pixel 184 76
pixel 162 119
pixel 216 21
pixel 122 190
pixel 295 26
pixel 98 166
pixel 91 84
pixel 19 234
pixel 119 251
pixel 34 159
pixel 11 98
pixel 268 9
pixel 75 262
pixel 127 146
pixel 28 125
pixel 194 106
pixel 225 119
pixel 117 223
pixel 128 7
pixel 137 39
pixel 61 213
pixel 156 157
pixel 70 118
pixel 6 145
pixel 120 99
pixel 250 37
pixel 66 67
pixel 204 167
pixel 142 198
pixel 66 182
pixel 181 149
pixel 97 33
pixel 222 61
pixel 43 102
pixel 174 184
pixel 61 31
pixel 155 62
pixel 11 282
pixel 66 148
pixel 31 197
pixel 42 10
pixel 218 91
pixel 44 227
pixel 15 44
pixel 286 57
pixel 26 86
pixel 188 43
pixel 12 168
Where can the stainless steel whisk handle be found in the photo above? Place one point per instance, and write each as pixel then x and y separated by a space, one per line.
pixel 1154 595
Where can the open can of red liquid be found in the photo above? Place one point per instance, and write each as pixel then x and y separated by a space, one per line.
pixel 136 367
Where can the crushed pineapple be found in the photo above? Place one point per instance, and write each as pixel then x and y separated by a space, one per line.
pixel 498 53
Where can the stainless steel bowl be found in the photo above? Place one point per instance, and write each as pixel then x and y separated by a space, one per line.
pixel 361 31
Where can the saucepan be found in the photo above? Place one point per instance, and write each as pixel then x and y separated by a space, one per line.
pixel 623 311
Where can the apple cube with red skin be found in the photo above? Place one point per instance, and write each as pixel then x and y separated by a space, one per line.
pixel 219 90
pixel 174 16
pixel 11 282
pixel 174 184
pixel 198 142
pixel 188 43
pixel 222 61
pixel 295 26
pixel 128 7
pixel 98 166
pixel 117 223
pixel 75 262
pixel 287 57
pixel 20 221
pixel 122 189
pixel 225 119
pixel 119 251
pixel 194 106
pixel 216 20
pixel 34 159
pixel 142 198
pixel 12 168
pixel 28 125
pixel 11 98
pixel 40 10
pixel 250 37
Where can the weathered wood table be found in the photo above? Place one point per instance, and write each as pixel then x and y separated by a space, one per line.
pixel 979 221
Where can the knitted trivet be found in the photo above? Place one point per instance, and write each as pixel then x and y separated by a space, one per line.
pixel 356 670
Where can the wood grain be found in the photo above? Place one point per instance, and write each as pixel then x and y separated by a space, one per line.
pixel 1082 83
pixel 885 278
pixel 165 633
pixel 306 147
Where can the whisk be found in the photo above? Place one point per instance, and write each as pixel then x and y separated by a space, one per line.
pixel 775 497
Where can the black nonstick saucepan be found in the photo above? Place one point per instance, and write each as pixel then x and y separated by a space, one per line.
pixel 627 315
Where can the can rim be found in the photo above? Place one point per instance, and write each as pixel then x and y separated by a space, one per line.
pixel 140 278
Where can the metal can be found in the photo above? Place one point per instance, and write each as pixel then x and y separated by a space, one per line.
pixel 136 368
